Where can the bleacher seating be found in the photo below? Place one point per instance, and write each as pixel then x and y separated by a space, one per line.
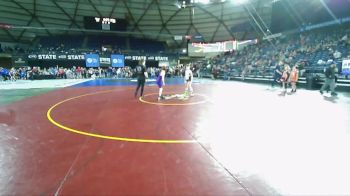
pixel 148 46
pixel 257 61
pixel 97 41
pixel 65 41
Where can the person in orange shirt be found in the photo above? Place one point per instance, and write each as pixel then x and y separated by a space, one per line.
pixel 294 76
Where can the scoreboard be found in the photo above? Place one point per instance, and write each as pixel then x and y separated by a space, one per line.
pixel 105 23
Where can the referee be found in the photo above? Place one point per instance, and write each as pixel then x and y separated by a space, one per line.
pixel 141 76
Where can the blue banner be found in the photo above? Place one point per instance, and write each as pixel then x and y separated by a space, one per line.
pixel 198 37
pixel 118 60
pixel 92 60
pixel 346 67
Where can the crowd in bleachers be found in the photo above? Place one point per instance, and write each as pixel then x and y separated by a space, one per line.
pixel 12 50
pixel 101 44
pixel 53 46
pixel 31 73
pixel 312 51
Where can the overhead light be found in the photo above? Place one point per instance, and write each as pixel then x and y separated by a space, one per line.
pixel 202 1
pixel 239 2
pixel 177 4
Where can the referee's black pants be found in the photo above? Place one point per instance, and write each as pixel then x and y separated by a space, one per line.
pixel 140 83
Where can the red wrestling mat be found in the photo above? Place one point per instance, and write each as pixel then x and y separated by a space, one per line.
pixel 228 139
pixel 42 158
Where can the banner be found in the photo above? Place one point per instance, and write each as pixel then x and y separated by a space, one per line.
pixel 178 37
pixel 202 49
pixel 82 57
pixel 198 38
pixel 56 56
pixel 346 67
pixel 92 60
pixel 153 58
pixel 117 60
pixel 18 61
pixel 105 61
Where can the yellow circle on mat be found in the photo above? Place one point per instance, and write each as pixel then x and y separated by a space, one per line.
pixel 172 104
pixel 82 132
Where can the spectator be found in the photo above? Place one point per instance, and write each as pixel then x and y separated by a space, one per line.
pixel 337 54
pixel 330 79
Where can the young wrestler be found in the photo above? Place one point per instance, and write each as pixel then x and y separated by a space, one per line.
pixel 161 83
pixel 294 76
pixel 188 81
pixel 285 77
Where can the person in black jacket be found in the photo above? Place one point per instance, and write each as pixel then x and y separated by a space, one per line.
pixel 330 79
pixel 141 76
